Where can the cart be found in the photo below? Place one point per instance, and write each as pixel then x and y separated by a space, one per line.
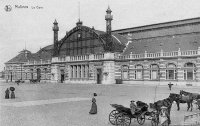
pixel 122 116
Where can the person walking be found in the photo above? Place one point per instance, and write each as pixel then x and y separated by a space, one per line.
pixel 93 109
pixel 12 92
pixel 170 86
pixel 7 93
pixel 12 95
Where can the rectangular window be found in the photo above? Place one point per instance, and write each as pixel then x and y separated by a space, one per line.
pixel 125 75
pixel 154 75
pixel 139 74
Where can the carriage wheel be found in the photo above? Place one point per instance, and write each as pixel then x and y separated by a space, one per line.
pixel 141 119
pixel 123 120
pixel 113 116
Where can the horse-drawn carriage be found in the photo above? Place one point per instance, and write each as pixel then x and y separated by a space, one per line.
pixel 19 81
pixel 34 80
pixel 122 116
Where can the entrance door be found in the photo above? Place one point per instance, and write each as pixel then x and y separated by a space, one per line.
pixel 62 76
pixel 99 76
pixel 38 74
pixel 11 76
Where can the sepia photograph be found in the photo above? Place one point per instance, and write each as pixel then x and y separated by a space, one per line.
pixel 99 63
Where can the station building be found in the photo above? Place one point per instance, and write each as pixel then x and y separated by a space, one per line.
pixel 151 54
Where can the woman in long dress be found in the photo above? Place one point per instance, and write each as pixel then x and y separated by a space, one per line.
pixel 93 109
pixel 7 93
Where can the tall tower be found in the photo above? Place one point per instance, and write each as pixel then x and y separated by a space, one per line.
pixel 108 19
pixel 55 37
pixel 55 31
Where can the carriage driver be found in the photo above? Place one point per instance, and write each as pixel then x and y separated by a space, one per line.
pixel 133 107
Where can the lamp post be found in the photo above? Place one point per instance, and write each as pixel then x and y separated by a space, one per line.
pixel 21 71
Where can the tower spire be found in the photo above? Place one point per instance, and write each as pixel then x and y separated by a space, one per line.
pixel 109 42
pixel 79 10
pixel 25 45
pixel 55 36
pixel 79 23
pixel 108 19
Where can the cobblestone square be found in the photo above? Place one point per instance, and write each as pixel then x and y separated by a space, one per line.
pixel 47 104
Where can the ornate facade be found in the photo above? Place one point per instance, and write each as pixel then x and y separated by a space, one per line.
pixel 165 52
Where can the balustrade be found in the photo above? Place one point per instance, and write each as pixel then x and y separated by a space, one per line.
pixel 117 56
pixel 158 54
pixel 170 54
pixel 189 53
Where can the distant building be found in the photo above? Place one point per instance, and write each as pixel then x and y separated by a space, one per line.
pixel 165 52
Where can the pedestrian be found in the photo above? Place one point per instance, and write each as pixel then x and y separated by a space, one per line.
pixel 93 109
pixel 7 93
pixel 12 92
pixel 12 95
pixel 170 86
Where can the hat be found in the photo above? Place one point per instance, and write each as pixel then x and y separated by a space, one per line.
pixel 95 94
pixel 163 107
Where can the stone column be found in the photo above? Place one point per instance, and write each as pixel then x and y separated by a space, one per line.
pixel 162 71
pixel 86 71
pixel 180 71
pixel 74 71
pixel 54 73
pixel 109 67
pixel 78 70
pixel 198 69
pixel 82 71
pixel 146 72
pixel 131 71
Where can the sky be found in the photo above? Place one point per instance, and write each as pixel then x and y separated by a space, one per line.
pixel 32 28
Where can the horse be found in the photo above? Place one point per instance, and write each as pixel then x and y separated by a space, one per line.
pixel 189 97
pixel 195 96
pixel 182 99
pixel 167 102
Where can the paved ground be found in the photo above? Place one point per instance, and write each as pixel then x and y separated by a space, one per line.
pixel 49 104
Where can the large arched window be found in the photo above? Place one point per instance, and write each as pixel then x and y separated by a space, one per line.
pixel 81 41
pixel 171 72
pixel 138 72
pixel 189 71
pixel 125 72
pixel 154 72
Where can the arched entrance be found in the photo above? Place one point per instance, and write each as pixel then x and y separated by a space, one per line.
pixel 138 72
pixel 38 74
pixel 154 72
pixel 171 71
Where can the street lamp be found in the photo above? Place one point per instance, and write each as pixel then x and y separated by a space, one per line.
pixel 21 71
